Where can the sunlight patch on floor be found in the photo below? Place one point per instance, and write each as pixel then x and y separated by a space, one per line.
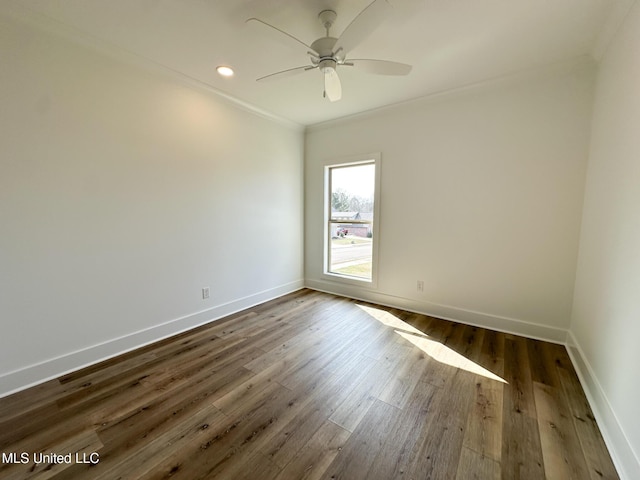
pixel 434 349
pixel 389 319
pixel 444 354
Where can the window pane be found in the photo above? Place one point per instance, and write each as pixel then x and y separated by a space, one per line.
pixel 351 223
pixel 352 189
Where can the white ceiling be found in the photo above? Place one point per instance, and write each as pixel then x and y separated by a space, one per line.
pixel 450 43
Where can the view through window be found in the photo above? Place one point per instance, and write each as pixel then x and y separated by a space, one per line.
pixel 351 196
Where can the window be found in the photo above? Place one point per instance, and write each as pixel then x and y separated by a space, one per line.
pixel 351 219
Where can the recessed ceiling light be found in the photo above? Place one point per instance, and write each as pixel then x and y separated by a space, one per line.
pixel 225 71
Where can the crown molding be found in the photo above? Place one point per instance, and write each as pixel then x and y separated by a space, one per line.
pixel 539 73
pixel 19 12
pixel 612 26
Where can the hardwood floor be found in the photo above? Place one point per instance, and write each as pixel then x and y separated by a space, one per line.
pixel 312 386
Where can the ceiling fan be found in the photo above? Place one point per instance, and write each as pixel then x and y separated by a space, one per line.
pixel 328 53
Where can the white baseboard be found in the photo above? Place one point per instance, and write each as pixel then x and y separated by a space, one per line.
pixel 468 317
pixel 52 368
pixel 624 458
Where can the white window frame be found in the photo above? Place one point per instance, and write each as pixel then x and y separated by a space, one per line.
pixel 372 158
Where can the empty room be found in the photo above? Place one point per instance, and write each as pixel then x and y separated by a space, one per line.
pixel 323 239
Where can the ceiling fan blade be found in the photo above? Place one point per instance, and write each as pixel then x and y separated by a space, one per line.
pixel 281 36
pixel 380 67
pixel 332 85
pixel 286 73
pixel 362 26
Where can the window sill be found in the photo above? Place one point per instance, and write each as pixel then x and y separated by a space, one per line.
pixel 349 280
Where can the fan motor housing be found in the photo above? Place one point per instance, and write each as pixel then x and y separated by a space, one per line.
pixel 324 46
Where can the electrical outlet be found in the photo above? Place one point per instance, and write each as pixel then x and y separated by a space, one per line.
pixel 206 293
pixel 420 286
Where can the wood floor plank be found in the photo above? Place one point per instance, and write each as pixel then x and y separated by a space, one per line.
pixel 476 466
pixel 298 428
pixel 355 459
pixel 441 444
pixel 228 444
pixel 313 386
pixel 190 377
pixel 483 432
pixel 186 393
pixel 289 353
pixel 598 460
pixel 492 356
pixel 316 358
pixel 314 458
pixel 288 442
pixel 357 345
pixel 249 393
pixel 136 361
pixel 134 379
pixel 439 372
pixel 33 401
pixel 254 465
pixel 561 451
pixel 164 412
pixel 543 358
pixel 144 457
pixel 398 389
pixel 521 455
pixel 356 406
pixel 406 434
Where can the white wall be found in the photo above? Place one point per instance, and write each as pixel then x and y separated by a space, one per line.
pixel 122 194
pixel 481 199
pixel 605 323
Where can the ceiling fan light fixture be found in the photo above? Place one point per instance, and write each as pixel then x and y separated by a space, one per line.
pixel 327 65
pixel 224 70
